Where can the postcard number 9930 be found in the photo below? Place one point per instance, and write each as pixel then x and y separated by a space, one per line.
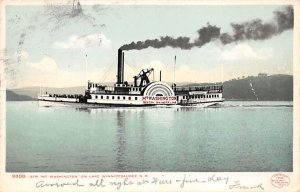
pixel 18 176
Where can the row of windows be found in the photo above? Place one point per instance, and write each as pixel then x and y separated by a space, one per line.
pixel 200 96
pixel 136 89
pixel 113 97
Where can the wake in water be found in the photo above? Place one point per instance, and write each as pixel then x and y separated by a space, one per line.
pixel 256 104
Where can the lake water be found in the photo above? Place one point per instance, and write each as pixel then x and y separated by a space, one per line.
pixel 237 136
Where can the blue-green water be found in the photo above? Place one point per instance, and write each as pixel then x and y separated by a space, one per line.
pixel 238 136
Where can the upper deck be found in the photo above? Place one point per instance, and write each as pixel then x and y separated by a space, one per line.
pixel 179 90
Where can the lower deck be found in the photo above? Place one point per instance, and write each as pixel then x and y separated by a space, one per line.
pixel 136 100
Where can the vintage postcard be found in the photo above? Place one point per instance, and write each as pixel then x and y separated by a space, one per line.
pixel 149 95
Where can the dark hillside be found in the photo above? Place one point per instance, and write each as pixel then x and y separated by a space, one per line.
pixel 263 88
pixel 11 96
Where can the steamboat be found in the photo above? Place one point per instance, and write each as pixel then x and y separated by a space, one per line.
pixel 142 92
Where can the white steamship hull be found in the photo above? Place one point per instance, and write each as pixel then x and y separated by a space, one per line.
pixel 141 92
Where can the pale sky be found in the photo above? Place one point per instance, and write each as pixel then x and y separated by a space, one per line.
pixel 46 45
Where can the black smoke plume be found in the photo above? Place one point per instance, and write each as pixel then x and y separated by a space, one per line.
pixel 252 30
pixel 258 30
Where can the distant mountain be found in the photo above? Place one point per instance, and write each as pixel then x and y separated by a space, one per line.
pixel 11 96
pixel 262 88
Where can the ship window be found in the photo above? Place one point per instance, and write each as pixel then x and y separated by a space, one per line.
pixel 118 97
pixel 101 97
pixel 113 97
pixel 123 98
pixel 209 96
pixel 217 95
pixel 129 98
pixel 96 97
pixel 107 97
pixel 135 98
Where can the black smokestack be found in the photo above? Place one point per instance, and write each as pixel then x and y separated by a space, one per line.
pixel 120 76
pixel 251 30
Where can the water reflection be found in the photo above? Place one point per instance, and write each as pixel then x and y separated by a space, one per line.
pixel 121 141
pixel 142 140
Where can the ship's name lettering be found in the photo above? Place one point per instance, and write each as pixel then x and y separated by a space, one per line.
pixel 158 98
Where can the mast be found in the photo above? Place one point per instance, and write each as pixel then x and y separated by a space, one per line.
pixel 174 69
pixel 86 63
pixel 41 88
pixel 222 70
pixel 153 77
